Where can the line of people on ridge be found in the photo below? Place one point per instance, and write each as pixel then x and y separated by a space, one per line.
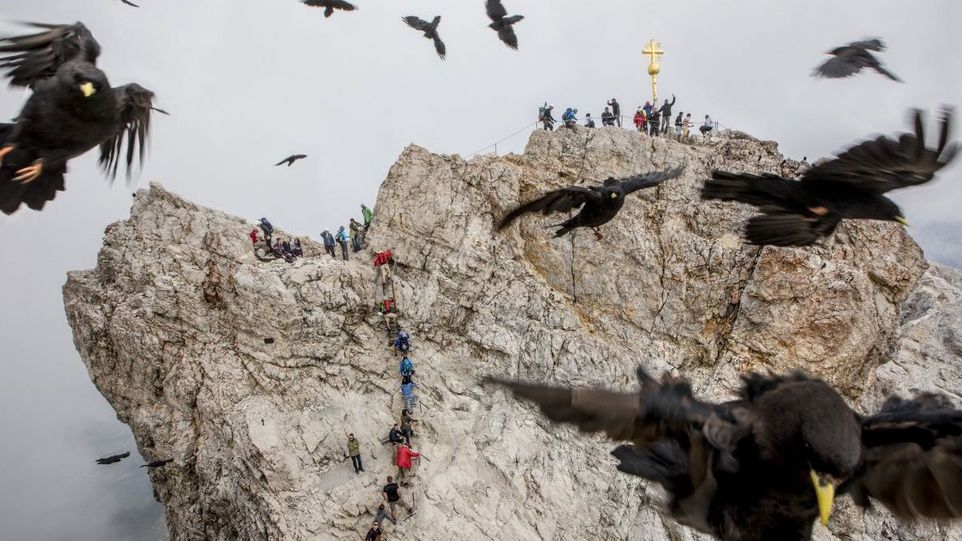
pixel 291 249
pixel 286 249
pixel 399 436
pixel 647 119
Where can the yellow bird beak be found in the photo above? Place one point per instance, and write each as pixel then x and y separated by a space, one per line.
pixel 825 492
pixel 614 196
pixel 903 221
pixel 88 89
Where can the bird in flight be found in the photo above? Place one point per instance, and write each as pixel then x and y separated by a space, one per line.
pixel 112 459
pixel 850 59
pixel 330 5
pixel 291 159
pixel 599 204
pixel 850 186
pixel 129 3
pixel 71 110
pixel 767 465
pixel 501 23
pixel 430 30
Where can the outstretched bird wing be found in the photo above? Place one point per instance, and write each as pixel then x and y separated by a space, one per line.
pixel 331 5
pixel 112 459
pixel 912 462
pixel 662 409
pixel 496 10
pixel 562 200
pixel 647 180
pixel 838 67
pixel 873 44
pixel 508 36
pixel 885 164
pixel 134 103
pixel 417 23
pixel 31 58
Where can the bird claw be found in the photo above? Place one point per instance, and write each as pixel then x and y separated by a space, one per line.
pixel 30 173
pixel 4 151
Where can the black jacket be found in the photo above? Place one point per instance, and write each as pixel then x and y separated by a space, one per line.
pixel 665 109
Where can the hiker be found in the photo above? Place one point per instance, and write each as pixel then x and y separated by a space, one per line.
pixel 280 253
pixel 374 534
pixel 686 127
pixel 570 118
pixel 607 119
pixel 357 231
pixel 268 230
pixel 589 123
pixel 381 514
pixel 407 425
pixel 678 124
pixel 665 111
pixel 544 116
pixel 383 258
pixel 648 109
pixel 407 393
pixel 402 344
pixel 403 458
pixel 615 110
pixel 328 239
pixel 407 366
pixel 707 126
pixel 286 246
pixel 639 120
pixel 368 217
pixel 392 496
pixel 296 248
pixel 342 239
pixel 354 451
pixel 654 120
pixel 253 235
pixel 396 435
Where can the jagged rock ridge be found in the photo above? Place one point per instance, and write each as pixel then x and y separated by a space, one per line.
pixel 172 326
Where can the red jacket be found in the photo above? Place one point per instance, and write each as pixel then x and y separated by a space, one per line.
pixel 404 456
pixel 253 236
pixel 382 258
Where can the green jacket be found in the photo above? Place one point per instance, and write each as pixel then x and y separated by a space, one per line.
pixel 353 447
pixel 368 215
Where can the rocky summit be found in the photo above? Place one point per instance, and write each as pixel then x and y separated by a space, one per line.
pixel 249 374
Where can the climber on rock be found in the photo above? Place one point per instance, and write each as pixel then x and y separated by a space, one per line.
pixel 407 425
pixel 407 393
pixel 403 458
pixel 381 514
pixel 328 239
pixel 357 234
pixel 396 435
pixel 268 230
pixel 296 249
pixel 354 451
pixel 374 534
pixel 406 368
pixel 368 215
pixel 253 236
pixel 392 495
pixel 402 345
pixel 342 239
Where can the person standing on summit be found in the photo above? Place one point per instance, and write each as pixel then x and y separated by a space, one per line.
pixel 615 110
pixel 343 238
pixel 328 242
pixel 665 111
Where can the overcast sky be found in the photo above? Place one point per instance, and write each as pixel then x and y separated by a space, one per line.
pixel 249 82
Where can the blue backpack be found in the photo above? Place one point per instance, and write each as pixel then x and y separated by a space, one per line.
pixel 407 367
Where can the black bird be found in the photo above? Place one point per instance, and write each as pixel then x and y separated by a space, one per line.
pixel 157 463
pixel 850 186
pixel 430 30
pixel 501 23
pixel 767 465
pixel 330 5
pixel 129 3
pixel 72 109
pixel 112 459
pixel 599 204
pixel 291 159
pixel 850 59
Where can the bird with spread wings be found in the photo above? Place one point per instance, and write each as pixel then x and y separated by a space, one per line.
pixel 767 465
pixel 850 59
pixel 430 30
pixel 849 186
pixel 72 109
pixel 502 23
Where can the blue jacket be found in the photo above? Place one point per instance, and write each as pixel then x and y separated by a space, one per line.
pixel 342 235
pixel 328 238
pixel 407 389
pixel 407 367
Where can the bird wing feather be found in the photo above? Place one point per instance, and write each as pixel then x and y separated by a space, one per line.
pixel 134 103
pixel 417 23
pixel 838 67
pixel 912 462
pixel 884 164
pixel 30 58
pixel 647 180
pixel 495 9
pixel 562 200
pixel 508 36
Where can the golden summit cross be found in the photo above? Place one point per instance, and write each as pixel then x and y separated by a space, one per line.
pixel 653 50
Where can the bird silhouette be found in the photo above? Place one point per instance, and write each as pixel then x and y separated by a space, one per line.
pixel 850 186
pixel 430 30
pixel 112 459
pixel 852 58
pixel 291 159
pixel 330 5
pixel 767 465
pixel 501 23
pixel 599 204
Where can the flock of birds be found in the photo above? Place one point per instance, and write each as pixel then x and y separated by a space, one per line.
pixel 764 466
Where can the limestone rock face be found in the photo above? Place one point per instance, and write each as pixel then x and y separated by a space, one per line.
pixel 249 374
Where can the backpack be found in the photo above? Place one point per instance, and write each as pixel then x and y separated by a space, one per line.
pixel 407 367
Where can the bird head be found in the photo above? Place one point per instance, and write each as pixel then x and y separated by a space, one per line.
pixel 83 78
pixel 832 448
